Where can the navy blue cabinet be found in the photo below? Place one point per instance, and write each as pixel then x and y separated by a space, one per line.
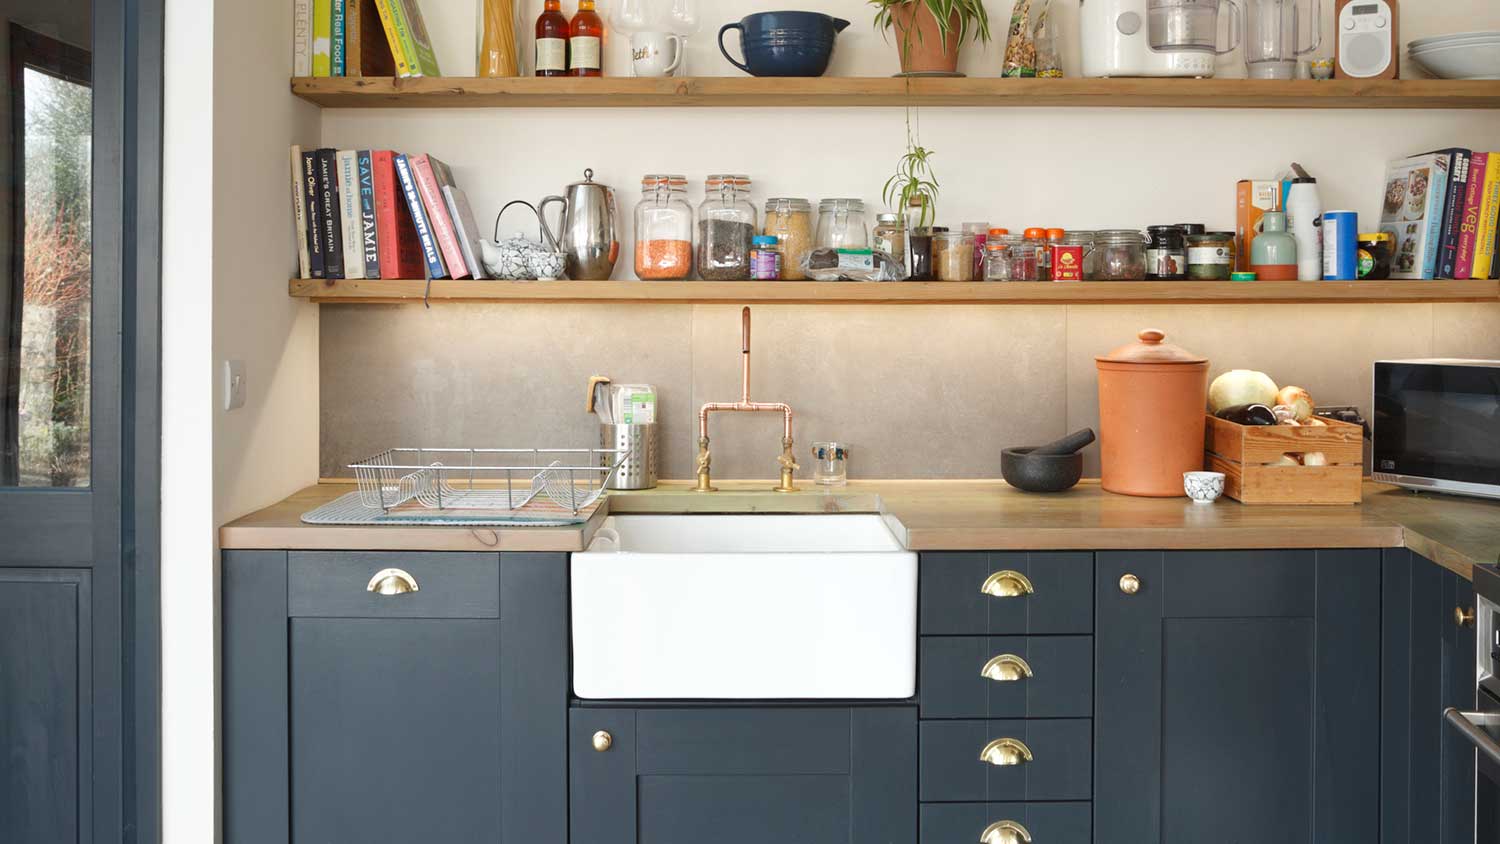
pixel 394 697
pixel 1237 697
pixel 824 775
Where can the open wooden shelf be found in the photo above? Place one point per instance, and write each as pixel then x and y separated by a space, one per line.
pixel 896 293
pixel 739 91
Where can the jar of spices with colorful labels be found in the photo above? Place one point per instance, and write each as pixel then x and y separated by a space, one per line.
pixel 726 227
pixel 663 229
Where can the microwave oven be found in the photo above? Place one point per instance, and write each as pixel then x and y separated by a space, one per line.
pixel 1436 425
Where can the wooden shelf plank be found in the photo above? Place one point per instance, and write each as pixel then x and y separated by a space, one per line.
pixel 739 92
pixel 895 293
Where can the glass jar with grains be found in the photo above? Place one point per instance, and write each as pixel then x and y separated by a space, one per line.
pixel 663 229
pixel 953 256
pixel 726 225
pixel 789 219
pixel 1120 255
pixel 890 238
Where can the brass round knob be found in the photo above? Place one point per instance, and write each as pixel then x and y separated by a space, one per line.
pixel 603 741
pixel 1130 584
pixel 1463 616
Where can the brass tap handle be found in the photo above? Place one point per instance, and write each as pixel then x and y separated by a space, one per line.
pixel 788 466
pixel 705 475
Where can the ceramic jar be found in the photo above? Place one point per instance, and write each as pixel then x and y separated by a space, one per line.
pixel 1152 396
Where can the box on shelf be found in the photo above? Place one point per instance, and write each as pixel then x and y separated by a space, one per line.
pixel 1246 454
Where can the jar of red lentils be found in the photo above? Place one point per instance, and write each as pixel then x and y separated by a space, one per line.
pixel 663 229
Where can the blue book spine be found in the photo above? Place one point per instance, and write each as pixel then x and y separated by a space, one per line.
pixel 1438 188
pixel 430 254
pixel 337 48
pixel 369 236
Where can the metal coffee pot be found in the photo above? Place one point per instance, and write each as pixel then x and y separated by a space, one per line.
pixel 587 230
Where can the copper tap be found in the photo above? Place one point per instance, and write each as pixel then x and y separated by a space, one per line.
pixel 787 463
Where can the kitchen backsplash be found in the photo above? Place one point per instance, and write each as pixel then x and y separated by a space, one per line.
pixel 918 392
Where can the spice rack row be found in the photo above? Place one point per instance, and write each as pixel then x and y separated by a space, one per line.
pixel 894 293
pixel 845 92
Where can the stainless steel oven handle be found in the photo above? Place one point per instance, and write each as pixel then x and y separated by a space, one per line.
pixel 1469 723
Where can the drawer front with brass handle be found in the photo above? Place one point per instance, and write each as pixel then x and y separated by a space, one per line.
pixel 990 761
pixel 390 584
pixel 1006 823
pixel 1007 676
pixel 1007 593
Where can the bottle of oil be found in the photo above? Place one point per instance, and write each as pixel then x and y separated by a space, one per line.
pixel 586 41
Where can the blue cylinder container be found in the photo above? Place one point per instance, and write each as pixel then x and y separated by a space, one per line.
pixel 1340 246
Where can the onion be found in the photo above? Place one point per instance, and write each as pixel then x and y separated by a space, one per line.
pixel 1241 386
pixel 1298 399
pixel 1314 458
pixel 1287 460
pixel 1315 422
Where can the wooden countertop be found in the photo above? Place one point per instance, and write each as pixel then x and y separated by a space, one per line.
pixel 959 516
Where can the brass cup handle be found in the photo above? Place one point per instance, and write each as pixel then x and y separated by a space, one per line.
pixel 1005 752
pixel 603 741
pixel 1130 584
pixel 1006 668
pixel 1007 584
pixel 391 582
pixel 1463 616
pixel 1005 832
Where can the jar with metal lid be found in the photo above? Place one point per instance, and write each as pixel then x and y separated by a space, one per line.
pixel 841 224
pixel 663 229
pixel 1166 253
pixel 1044 259
pixel 981 232
pixel 1210 256
pixel 953 256
pixel 790 220
pixel 1373 260
pixel 1012 257
pixel 1120 255
pixel 726 224
pixel 890 238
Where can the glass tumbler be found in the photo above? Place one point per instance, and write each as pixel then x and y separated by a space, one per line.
pixel 830 464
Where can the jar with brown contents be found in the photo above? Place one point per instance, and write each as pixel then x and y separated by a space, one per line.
pixel 663 229
pixel 789 219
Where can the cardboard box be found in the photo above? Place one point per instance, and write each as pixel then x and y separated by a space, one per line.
pixel 1253 199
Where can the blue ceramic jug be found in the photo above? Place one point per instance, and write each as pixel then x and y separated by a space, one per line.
pixel 784 43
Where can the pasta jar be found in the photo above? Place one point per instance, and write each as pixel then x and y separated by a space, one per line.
pixel 663 229
pixel 789 219
pixel 1210 256
pixel 1120 255
pixel 953 256
pixel 726 225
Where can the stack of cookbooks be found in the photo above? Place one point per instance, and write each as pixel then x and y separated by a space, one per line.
pixel 325 34
pixel 364 213
pixel 1443 208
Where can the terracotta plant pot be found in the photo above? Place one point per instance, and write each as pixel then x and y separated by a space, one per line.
pixel 1152 396
pixel 919 42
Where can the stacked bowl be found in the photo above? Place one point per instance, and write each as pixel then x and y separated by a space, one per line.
pixel 784 43
pixel 1463 55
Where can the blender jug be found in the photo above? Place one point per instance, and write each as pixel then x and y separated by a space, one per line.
pixel 1191 26
pixel 1271 37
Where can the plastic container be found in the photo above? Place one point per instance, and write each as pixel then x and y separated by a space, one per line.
pixel 1151 420
pixel 765 258
pixel 1304 209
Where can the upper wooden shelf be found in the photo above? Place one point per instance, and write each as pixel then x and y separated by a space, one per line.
pixel 828 91
pixel 896 293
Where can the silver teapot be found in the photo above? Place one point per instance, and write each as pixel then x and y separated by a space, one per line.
pixel 519 258
pixel 587 226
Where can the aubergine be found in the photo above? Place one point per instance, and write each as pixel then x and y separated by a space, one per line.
pixel 1248 414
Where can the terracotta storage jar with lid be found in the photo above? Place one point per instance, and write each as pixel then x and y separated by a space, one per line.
pixel 1152 396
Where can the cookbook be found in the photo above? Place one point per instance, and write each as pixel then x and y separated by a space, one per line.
pixel 1416 189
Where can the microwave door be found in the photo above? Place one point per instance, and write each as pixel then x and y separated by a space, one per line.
pixel 1437 425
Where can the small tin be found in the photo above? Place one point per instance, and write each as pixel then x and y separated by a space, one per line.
pixel 1067 262
pixel 1242 276
pixel 1340 245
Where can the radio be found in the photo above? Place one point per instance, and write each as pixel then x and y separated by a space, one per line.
pixel 1367 39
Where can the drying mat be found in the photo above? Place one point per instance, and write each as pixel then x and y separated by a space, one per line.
pixel 347 510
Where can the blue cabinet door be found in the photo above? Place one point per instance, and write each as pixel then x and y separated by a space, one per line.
pixel 1237 697
pixel 728 775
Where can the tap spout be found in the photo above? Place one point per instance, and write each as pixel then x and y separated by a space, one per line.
pixel 745 405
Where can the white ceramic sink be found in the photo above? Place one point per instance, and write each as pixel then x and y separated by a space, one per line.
pixel 752 607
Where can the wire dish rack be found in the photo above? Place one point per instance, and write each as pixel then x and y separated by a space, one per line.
pixel 504 480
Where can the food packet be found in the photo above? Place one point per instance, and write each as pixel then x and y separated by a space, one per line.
pixel 1020 48
pixel 826 264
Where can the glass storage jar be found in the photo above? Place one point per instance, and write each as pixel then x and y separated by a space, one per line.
pixel 890 237
pixel 789 220
pixel 981 232
pixel 1090 256
pixel 1210 256
pixel 841 224
pixel 1166 253
pixel 726 225
pixel 953 256
pixel 1014 258
pixel 1120 255
pixel 663 229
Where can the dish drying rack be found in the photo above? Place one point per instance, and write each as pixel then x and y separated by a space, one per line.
pixel 505 480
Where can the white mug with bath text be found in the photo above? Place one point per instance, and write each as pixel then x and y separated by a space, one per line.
pixel 656 53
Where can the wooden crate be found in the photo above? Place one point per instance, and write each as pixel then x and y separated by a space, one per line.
pixel 1244 453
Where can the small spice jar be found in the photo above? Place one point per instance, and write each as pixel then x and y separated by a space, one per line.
pixel 889 238
pixel 953 256
pixel 1013 257
pixel 1120 255
pixel 981 232
pixel 1166 253
pixel 1210 256
pixel 765 258
pixel 790 220
pixel 1044 257
pixel 726 224
pixel 1373 261
pixel 663 229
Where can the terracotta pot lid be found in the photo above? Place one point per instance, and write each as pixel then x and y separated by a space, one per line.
pixel 1151 348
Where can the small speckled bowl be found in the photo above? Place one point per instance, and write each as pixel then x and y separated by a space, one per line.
pixel 1203 487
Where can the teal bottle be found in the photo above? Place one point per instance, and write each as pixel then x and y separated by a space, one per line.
pixel 1273 253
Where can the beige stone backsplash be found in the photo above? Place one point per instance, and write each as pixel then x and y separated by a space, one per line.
pixel 916 391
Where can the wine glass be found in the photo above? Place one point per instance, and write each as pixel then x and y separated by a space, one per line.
pixel 682 17
pixel 629 16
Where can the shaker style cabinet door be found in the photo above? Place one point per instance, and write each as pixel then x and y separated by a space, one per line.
pixel 1237 694
pixel 743 776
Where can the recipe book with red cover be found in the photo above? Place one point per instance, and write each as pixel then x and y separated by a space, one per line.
pixel 430 184
pixel 395 233
pixel 1468 229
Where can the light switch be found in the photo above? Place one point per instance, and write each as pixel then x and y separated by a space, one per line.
pixel 234 384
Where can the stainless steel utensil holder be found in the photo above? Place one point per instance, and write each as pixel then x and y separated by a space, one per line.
pixel 637 443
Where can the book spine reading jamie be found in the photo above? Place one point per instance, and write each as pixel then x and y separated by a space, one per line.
pixel 369 236
pixel 400 249
pixel 299 213
pixel 328 210
pixel 430 253
pixel 349 223
pixel 315 263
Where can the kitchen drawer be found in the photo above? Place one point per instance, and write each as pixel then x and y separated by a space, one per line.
pixel 448 585
pixel 952 770
pixel 967 823
pixel 1007 676
pixel 1054 593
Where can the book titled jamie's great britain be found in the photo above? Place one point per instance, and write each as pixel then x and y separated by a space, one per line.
pixel 1412 211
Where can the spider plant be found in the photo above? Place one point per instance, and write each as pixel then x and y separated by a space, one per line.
pixel 973 20
pixel 913 179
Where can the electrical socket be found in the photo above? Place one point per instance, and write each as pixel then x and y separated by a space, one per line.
pixel 234 384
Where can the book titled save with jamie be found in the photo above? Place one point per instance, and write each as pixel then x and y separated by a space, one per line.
pixel 1416 190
